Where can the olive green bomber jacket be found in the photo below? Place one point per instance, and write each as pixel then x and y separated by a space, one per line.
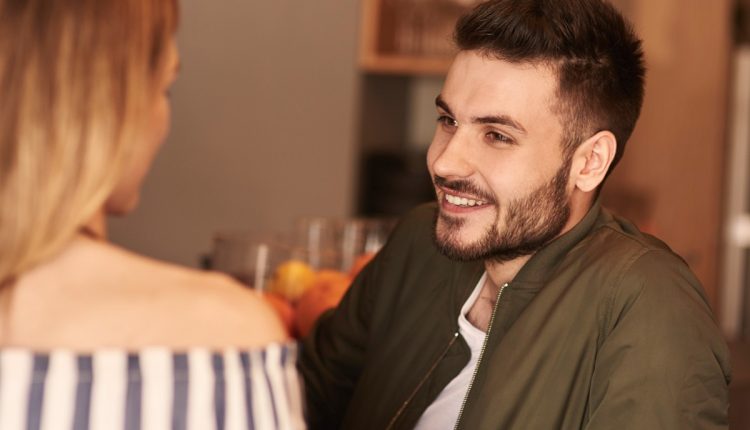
pixel 604 328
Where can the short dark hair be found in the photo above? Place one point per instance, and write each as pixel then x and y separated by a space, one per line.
pixel 594 50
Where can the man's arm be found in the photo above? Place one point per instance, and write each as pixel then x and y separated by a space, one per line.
pixel 333 355
pixel 663 363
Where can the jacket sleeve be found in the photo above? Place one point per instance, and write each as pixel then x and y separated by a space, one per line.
pixel 662 362
pixel 333 355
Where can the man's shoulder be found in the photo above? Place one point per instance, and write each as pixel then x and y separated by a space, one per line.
pixel 640 267
pixel 415 227
pixel 619 243
pixel 650 290
pixel 629 262
pixel 420 217
pixel 411 249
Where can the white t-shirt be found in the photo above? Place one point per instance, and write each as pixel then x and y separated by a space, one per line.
pixel 443 412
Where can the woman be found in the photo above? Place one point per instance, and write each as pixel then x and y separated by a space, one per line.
pixel 94 335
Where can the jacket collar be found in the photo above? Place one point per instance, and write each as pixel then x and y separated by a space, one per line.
pixel 539 267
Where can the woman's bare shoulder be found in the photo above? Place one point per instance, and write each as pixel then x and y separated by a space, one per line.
pixel 222 311
pixel 119 298
pixel 237 312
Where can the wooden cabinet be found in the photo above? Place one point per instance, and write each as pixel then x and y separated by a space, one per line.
pixel 409 37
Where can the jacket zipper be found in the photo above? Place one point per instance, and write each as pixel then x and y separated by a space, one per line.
pixel 432 368
pixel 481 355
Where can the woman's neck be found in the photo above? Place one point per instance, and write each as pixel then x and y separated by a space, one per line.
pixel 96 228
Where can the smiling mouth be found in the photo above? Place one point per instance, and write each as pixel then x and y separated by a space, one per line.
pixel 465 202
pixel 459 196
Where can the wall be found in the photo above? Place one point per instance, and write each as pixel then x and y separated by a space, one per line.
pixel 674 163
pixel 263 125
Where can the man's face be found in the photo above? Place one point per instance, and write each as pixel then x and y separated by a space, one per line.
pixel 497 161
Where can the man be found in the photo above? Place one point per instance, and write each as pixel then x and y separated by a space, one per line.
pixel 518 302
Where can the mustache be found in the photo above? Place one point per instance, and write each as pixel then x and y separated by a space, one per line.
pixel 463 186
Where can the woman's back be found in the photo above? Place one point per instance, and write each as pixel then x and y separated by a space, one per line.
pixel 99 337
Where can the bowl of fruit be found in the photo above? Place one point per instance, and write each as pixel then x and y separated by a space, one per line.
pixel 306 273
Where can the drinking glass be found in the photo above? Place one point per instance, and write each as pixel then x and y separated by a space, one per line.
pixel 315 242
pixel 248 257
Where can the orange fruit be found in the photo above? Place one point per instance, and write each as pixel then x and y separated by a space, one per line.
pixel 328 276
pixel 325 293
pixel 291 279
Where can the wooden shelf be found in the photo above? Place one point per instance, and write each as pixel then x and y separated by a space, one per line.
pixel 408 37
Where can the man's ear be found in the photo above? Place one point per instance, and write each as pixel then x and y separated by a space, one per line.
pixel 592 159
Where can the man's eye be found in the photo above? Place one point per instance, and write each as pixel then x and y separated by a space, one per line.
pixel 496 137
pixel 447 121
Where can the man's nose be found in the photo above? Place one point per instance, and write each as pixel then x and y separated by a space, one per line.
pixel 453 158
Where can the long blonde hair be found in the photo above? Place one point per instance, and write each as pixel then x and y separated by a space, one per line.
pixel 77 79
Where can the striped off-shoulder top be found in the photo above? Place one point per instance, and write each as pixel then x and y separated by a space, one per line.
pixel 154 388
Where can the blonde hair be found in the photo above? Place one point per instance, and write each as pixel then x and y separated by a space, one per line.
pixel 77 79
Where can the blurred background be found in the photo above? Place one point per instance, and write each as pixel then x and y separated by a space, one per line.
pixel 286 110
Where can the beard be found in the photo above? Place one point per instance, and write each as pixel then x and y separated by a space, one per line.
pixel 531 222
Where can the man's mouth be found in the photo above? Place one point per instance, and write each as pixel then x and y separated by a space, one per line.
pixel 464 201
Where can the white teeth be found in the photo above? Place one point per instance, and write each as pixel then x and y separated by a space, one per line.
pixel 463 201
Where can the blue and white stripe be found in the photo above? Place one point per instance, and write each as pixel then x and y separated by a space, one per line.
pixel 153 389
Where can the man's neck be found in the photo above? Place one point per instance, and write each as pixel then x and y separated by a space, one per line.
pixel 501 273
pixel 498 274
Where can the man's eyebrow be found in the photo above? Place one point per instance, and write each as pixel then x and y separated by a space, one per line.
pixel 499 119
pixel 491 119
pixel 439 102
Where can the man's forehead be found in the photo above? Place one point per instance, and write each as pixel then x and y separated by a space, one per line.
pixel 479 85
